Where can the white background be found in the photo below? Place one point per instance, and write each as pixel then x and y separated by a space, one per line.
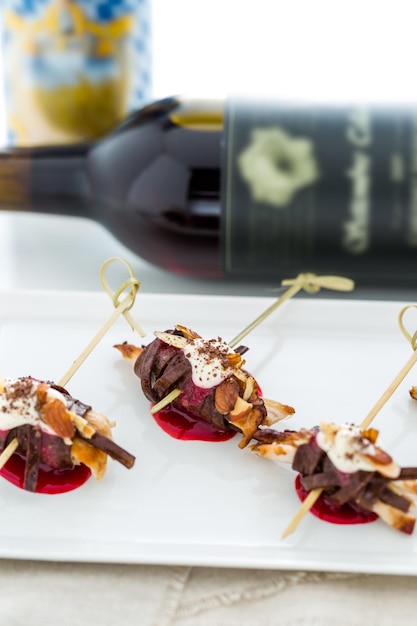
pixel 322 49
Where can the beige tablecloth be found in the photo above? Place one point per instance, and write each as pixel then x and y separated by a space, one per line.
pixel 46 594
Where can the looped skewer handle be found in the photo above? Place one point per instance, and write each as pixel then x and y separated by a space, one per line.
pixel 132 284
pixel 411 338
pixel 122 307
pixel 311 283
pixel 401 374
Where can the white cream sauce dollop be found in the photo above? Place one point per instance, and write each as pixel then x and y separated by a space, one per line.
pixel 208 358
pixel 347 448
pixel 19 404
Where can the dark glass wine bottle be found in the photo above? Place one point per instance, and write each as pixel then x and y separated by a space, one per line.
pixel 251 190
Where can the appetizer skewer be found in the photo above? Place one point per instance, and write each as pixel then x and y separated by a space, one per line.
pixel 345 464
pixel 50 441
pixel 53 431
pixel 315 493
pixel 210 375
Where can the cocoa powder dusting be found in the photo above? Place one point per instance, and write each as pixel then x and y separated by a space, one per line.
pixel 19 394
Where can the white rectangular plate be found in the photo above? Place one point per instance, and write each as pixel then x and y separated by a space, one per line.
pixel 202 503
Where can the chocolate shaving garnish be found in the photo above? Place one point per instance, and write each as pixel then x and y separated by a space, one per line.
pixel 111 448
pixel 395 500
pixel 54 425
pixel 30 439
pixel 351 487
pixel 172 375
pixel 408 473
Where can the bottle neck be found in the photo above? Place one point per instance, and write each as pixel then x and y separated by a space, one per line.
pixel 45 180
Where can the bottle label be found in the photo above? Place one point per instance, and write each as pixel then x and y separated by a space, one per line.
pixel 74 69
pixel 319 188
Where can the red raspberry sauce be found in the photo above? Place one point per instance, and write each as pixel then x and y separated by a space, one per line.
pixel 50 481
pixel 182 425
pixel 327 511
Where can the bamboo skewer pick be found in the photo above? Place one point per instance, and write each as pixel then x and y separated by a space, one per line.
pixel 131 282
pixel 165 401
pixel 305 507
pixel 310 283
pixel 314 494
pixel 8 451
pixel 122 307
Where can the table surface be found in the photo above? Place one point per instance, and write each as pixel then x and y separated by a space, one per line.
pixel 55 253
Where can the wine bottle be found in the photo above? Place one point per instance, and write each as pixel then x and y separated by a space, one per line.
pixel 243 189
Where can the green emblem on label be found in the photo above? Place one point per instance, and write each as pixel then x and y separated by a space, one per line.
pixel 276 166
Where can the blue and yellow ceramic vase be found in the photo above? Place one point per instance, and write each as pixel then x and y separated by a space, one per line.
pixel 73 68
